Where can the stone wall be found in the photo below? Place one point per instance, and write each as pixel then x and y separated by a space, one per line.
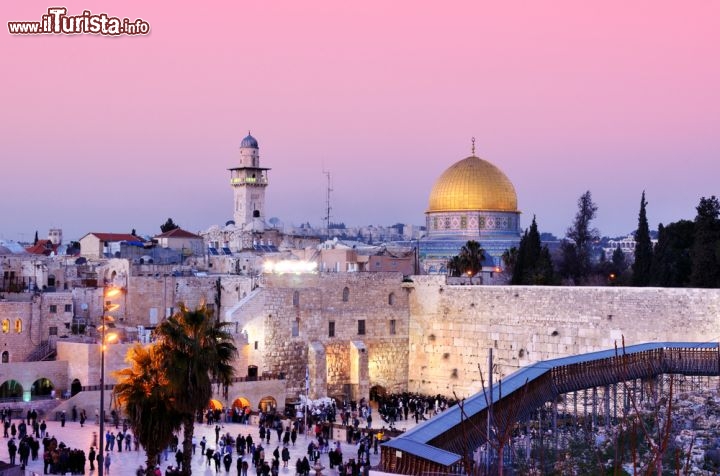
pixel 371 308
pixel 453 327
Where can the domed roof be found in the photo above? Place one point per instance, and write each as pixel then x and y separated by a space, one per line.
pixel 473 184
pixel 249 141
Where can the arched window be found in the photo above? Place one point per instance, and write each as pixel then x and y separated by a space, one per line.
pixel 18 325
pixel 346 294
pixel 6 326
pixel 296 298
pixel 391 299
pixel 5 357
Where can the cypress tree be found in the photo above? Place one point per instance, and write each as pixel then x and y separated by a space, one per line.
pixel 705 265
pixel 671 259
pixel 643 248
pixel 533 264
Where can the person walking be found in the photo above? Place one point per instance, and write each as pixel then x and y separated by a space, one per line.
pixel 91 458
pixel 107 462
pixel 12 450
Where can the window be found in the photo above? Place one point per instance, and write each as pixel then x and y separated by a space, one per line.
pixel 391 299
pixel 53 309
pixel 361 327
pixel 68 307
pixel 153 316
pixel 18 325
pixel 168 312
pixel 5 357
pixel 52 331
pixel 256 345
pixel 5 326
pixel 296 328
pixel 346 294
pixel 392 327
pixel 331 329
pixel 296 298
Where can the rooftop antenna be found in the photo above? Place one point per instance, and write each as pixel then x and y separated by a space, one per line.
pixel 327 204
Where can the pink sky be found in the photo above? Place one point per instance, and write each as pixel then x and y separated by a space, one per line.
pixel 110 134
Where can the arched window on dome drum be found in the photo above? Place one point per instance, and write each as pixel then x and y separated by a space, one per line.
pixel 346 294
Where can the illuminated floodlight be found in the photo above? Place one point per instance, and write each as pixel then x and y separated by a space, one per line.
pixel 289 267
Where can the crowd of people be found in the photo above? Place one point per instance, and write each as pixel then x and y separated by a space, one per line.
pixel 25 437
pixel 266 450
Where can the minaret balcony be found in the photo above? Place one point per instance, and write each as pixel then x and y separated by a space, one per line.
pixel 248 181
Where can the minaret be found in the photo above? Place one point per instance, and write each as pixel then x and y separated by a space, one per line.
pixel 248 182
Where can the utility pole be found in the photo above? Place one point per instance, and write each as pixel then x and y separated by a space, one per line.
pixel 488 456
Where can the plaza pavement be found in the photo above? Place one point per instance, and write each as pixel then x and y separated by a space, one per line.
pixel 126 463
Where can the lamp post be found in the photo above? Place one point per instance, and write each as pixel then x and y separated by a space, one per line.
pixel 107 319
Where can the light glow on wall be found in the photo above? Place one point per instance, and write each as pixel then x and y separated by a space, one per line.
pixel 289 266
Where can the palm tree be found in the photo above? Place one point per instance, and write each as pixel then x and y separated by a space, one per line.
pixel 197 351
pixel 143 392
pixel 455 266
pixel 472 256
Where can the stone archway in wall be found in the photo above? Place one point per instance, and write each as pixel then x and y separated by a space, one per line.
pixel 214 404
pixel 75 387
pixel 41 387
pixel 238 407
pixel 267 403
pixel 11 389
pixel 377 392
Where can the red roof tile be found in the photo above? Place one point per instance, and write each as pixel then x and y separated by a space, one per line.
pixel 178 233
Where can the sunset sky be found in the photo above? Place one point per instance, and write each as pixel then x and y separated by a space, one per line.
pixel 115 133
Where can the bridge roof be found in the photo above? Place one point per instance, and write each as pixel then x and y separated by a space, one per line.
pixel 415 440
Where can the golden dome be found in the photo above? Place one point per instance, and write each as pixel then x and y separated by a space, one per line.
pixel 473 184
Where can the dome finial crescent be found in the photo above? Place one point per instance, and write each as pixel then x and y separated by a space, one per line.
pixel 473 146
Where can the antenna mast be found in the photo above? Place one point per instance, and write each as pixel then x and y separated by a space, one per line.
pixel 327 205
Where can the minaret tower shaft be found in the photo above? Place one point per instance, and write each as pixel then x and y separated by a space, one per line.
pixel 249 182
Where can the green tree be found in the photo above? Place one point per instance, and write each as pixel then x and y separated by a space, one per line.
pixel 197 351
pixel 577 247
pixel 705 252
pixel 168 226
pixel 142 391
pixel 509 259
pixel 533 264
pixel 472 256
pixel 643 248
pixel 455 266
pixel 672 265
pixel 468 262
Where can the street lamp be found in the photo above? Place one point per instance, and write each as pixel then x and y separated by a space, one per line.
pixel 107 321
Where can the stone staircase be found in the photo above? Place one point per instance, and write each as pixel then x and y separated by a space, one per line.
pixel 44 351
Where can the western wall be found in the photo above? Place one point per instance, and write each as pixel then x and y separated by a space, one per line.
pixel 452 328
pixel 443 333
